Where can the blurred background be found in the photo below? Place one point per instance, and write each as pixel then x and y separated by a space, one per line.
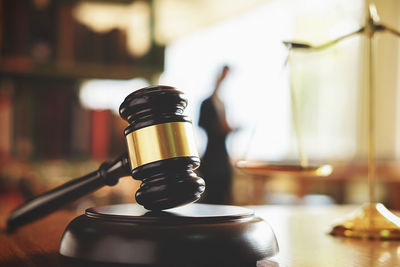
pixel 66 66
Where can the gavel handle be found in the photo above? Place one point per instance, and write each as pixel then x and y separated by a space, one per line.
pixel 42 205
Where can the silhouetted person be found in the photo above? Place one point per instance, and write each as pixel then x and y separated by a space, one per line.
pixel 215 165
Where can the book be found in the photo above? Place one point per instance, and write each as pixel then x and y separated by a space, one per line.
pixel 6 119
pixel 53 118
pixel 15 27
pixel 80 130
pixel 24 119
pixel 66 34
pixel 100 134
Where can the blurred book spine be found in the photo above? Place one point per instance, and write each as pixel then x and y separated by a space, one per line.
pixel 15 26
pixel 54 120
pixel 100 133
pixel 6 119
pixel 24 119
pixel 66 34
pixel 43 20
pixel 80 130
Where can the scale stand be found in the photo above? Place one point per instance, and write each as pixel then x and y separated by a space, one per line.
pixel 372 220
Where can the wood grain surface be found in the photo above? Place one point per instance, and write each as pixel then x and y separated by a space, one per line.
pixel 301 232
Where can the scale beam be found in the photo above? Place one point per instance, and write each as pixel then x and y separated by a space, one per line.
pixel 372 26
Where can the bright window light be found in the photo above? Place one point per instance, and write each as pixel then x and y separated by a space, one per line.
pixel 256 91
pixel 134 19
pixel 108 94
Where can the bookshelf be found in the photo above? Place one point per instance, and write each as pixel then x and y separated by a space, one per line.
pixel 50 42
pixel 44 55
pixel 26 67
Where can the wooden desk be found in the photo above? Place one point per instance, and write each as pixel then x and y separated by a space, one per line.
pixel 303 239
pixel 301 233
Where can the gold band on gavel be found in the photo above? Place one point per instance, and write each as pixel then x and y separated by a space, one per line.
pixel 161 141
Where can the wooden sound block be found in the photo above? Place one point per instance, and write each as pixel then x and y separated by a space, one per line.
pixel 199 234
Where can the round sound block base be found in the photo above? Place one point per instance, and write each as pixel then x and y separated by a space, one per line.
pixel 195 235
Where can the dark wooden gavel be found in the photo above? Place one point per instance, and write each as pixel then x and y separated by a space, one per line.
pixel 161 153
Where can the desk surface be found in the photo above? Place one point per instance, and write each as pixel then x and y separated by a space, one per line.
pixel 301 233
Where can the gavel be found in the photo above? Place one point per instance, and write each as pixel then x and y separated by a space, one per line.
pixel 162 153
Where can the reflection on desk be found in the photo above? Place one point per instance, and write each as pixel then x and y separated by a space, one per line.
pixel 303 240
pixel 301 232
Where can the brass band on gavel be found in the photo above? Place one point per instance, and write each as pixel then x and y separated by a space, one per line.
pixel 161 141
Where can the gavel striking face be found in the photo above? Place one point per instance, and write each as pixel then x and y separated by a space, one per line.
pixel 161 148
pixel 161 153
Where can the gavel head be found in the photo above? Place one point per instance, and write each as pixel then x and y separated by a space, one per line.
pixel 161 147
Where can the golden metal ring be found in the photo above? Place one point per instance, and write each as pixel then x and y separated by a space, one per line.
pixel 161 141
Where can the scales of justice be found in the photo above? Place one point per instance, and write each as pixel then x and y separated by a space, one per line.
pixel 372 220
pixel 163 230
